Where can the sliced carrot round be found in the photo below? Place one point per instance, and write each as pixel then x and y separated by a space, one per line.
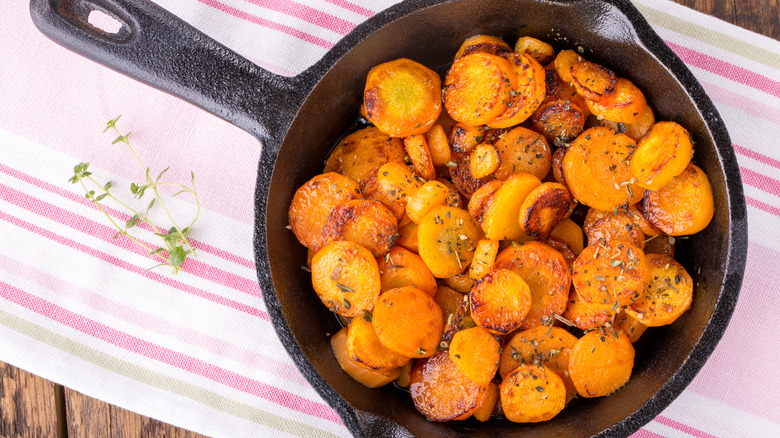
pixel 587 316
pixel 596 169
pixel 365 376
pixel 544 208
pixel 408 321
pixel 475 352
pixel 527 96
pixel 619 226
pixel 430 195
pixel 502 208
pixel 365 349
pixel 438 145
pixel 631 326
pixel 593 81
pixel 418 152
pixel 531 394
pixel 484 258
pixel 607 274
pixel 600 363
pixel 485 44
pixel 365 222
pixel 402 97
pixel 667 296
pixel 441 392
pixel 483 160
pixel 401 267
pixel 547 275
pixel 312 203
pixel 500 301
pixel 477 88
pixel 563 63
pixel 683 206
pixel 542 52
pixel 624 105
pixel 547 345
pixel 635 130
pixel 447 237
pixel 360 154
pixel 523 150
pixel 346 278
pixel 662 154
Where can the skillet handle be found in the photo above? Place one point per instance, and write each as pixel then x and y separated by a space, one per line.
pixel 157 48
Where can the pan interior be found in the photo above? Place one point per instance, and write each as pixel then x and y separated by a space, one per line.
pixel 431 36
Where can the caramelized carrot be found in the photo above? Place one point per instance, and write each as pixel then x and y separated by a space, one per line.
pixel 544 208
pixel 402 97
pixel 624 105
pixel 401 267
pixel 523 150
pixel 438 145
pixel 662 154
pixel 500 301
pixel 683 206
pixel 593 81
pixel 365 222
pixel 366 377
pixel 485 44
pixel 528 94
pixel 600 363
pixel 441 392
pixel 490 403
pixel 483 160
pixel 475 352
pixel 418 152
pixel 477 88
pixel 408 321
pixel 559 119
pixel 346 278
pixel 609 273
pixel 484 258
pixel 502 208
pixel 430 195
pixel 531 394
pixel 364 347
pixel 667 296
pixel 542 52
pixel 312 203
pixel 619 226
pixel 447 238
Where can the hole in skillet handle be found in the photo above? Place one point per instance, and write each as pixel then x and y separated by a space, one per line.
pixel 102 19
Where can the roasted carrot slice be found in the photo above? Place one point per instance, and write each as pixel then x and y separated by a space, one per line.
pixel 593 81
pixel 395 183
pixel 683 206
pixel 346 278
pixel 594 215
pixel 401 267
pixel 417 149
pixel 460 172
pixel 360 154
pixel 501 209
pixel 637 214
pixel 441 392
pixel 365 222
pixel 667 296
pixel 402 97
pixel 660 244
pixel 587 316
pixel 608 274
pixel 635 130
pixel 364 347
pixel 408 321
pixel 601 362
pixel 477 201
pixel 624 105
pixel 461 283
pixel 540 51
pixel 559 119
pixel 464 138
pixel 557 165
pixel 571 233
pixel 500 301
pixel 484 258
pixel 523 150
pixel 477 88
pixel 367 377
pixel 447 239
pixel 312 203
pixel 562 247
pixel 483 160
pixel 563 63
pixel 407 235
pixel 596 169
pixel 430 195
pixel 531 394
pixel 619 226
pixel 631 326
pixel 449 300
pixel 527 96
pixel 544 208
pixel 492 395
pixel 547 345
pixel 453 198
pixel 547 275
pixel 662 154
pixel 438 145
pixel 476 353
pixel 485 44
pixel 558 89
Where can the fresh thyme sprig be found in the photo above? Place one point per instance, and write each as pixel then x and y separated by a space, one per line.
pixel 176 247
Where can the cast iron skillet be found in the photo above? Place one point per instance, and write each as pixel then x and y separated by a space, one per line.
pixel 298 120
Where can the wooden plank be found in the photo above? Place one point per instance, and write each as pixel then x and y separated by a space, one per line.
pixel 762 16
pixel 28 404
pixel 126 424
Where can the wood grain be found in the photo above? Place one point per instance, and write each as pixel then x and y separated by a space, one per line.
pixel 762 16
pixel 34 407
pixel 28 405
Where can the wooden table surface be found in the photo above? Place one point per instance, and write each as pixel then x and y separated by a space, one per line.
pixel 34 407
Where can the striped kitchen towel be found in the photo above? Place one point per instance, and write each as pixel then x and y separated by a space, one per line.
pixel 81 308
